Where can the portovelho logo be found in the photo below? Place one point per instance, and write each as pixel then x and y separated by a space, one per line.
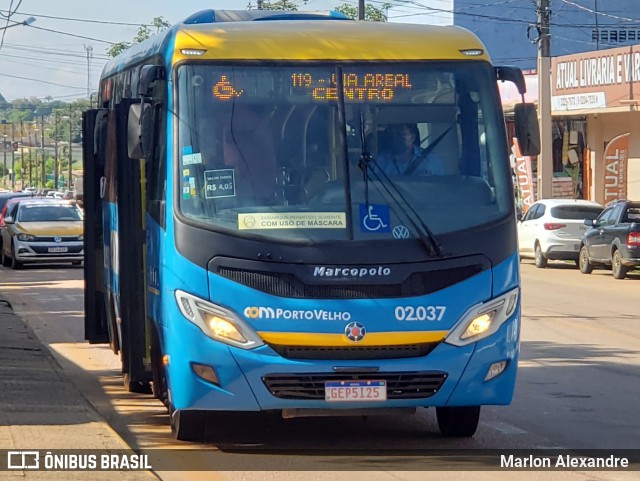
pixel 349 271
pixel 255 312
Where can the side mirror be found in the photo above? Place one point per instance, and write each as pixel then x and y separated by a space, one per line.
pixel 527 129
pixel 140 130
pixel 589 222
pixel 8 220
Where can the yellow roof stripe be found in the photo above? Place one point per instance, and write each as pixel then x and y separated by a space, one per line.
pixel 340 340
pixel 326 40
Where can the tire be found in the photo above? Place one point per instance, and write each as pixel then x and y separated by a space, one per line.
pixel 158 371
pixel 6 261
pixel 586 267
pixel 15 264
pixel 458 422
pixel 188 425
pixel 617 269
pixel 540 259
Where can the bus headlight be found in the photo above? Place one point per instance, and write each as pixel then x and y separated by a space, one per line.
pixel 483 319
pixel 217 322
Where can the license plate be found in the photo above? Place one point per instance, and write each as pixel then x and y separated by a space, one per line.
pixel 355 391
pixel 58 249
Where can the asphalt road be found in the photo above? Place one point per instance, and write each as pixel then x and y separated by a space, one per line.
pixel 578 386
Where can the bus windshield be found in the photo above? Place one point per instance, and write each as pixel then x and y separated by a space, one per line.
pixel 275 151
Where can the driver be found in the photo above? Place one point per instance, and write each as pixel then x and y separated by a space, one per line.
pixel 404 156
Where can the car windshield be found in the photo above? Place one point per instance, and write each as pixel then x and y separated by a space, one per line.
pixel 576 212
pixel 272 151
pixel 48 213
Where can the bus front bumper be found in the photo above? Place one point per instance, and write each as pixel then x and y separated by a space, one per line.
pixel 243 380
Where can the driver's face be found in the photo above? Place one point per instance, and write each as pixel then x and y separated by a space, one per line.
pixel 404 139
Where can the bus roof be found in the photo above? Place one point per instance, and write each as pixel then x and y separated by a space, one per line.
pixel 304 39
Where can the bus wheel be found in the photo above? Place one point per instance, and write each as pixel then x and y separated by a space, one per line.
pixel 139 387
pixel 188 425
pixel 458 422
pixel 159 373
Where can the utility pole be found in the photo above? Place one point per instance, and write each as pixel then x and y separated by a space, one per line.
pixel 13 157
pixel 43 173
pixel 545 159
pixel 4 152
pixel 55 157
pixel 89 50
pixel 360 9
pixel 70 138
pixel 595 7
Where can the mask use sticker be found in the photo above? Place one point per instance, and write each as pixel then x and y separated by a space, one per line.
pixel 192 159
pixel 219 183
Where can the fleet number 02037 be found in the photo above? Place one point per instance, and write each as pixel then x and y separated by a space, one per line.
pixel 420 313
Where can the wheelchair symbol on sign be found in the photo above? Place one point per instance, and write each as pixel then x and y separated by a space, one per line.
pixel 372 221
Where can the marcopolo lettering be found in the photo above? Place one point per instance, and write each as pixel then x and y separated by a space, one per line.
pixel 347 271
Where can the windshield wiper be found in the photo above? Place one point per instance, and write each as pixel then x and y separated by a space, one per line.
pixel 342 127
pixel 427 238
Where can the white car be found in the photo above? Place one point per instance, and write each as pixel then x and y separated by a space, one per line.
pixel 552 229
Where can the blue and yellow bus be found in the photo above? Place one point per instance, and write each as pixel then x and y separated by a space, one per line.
pixel 301 213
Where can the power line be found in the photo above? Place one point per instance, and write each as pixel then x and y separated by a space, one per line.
pixel 41 81
pixel 9 15
pixel 70 19
pixel 71 34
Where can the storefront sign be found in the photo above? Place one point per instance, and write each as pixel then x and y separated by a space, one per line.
pixel 524 173
pixel 615 168
pixel 593 80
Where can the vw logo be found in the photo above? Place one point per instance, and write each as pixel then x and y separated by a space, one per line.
pixel 355 331
pixel 57 239
pixel 400 232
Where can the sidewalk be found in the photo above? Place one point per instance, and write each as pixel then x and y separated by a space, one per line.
pixel 41 409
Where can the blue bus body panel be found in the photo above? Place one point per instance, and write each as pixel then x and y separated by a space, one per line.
pixel 240 372
pixel 110 234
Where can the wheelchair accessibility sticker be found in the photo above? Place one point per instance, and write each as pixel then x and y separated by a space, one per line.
pixel 374 218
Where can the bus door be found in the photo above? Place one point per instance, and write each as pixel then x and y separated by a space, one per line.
pixel 96 327
pixel 135 333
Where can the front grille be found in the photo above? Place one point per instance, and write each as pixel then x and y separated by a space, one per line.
pixel 74 238
pixel 400 385
pixel 354 353
pixel 288 285
pixel 45 250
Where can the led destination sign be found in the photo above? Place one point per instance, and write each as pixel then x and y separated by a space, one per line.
pixel 367 86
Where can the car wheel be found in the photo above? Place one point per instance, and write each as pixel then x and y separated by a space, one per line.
pixel 458 422
pixel 6 261
pixel 15 264
pixel 619 271
pixel 541 260
pixel 583 261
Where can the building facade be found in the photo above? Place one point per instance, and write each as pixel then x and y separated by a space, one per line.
pixel 603 88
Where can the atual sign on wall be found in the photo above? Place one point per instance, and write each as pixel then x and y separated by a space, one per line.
pixel 596 79
pixel 615 168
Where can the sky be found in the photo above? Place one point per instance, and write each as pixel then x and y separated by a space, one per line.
pixel 49 57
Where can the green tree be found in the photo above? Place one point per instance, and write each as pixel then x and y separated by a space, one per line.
pixel 281 5
pixel 371 13
pixel 143 33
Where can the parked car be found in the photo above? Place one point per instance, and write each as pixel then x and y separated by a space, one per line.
pixel 39 230
pixel 613 239
pixel 552 229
